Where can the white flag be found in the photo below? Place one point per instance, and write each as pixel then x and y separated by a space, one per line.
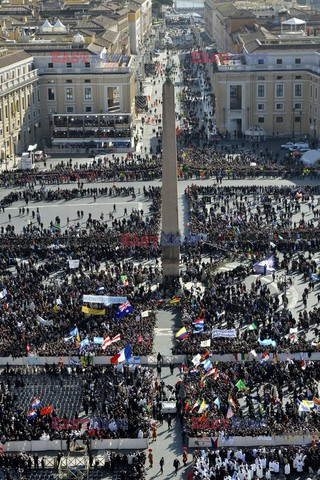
pixel 74 263
pixel 254 353
pixel 205 343
pixel 3 293
pixel 145 314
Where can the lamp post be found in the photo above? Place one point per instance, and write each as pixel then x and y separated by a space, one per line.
pixel 293 120
pixel 300 121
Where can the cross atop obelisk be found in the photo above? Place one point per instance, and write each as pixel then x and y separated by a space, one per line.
pixel 170 222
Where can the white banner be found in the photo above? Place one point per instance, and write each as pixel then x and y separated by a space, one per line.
pixel 224 333
pixel 74 263
pixel 3 293
pixel 105 299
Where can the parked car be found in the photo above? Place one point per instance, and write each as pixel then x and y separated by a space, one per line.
pixel 287 146
pixel 301 147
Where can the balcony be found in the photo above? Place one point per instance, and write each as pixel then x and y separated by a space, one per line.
pixel 16 83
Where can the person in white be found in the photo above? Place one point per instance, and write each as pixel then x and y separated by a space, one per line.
pixel 287 470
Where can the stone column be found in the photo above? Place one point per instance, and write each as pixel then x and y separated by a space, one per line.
pixel 170 223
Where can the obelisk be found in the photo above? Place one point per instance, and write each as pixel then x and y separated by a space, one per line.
pixel 170 222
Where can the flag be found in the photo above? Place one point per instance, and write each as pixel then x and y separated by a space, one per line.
pixel 106 342
pixel 196 404
pixel 182 333
pixel 230 412
pixel 100 290
pixel 241 386
pixel 3 293
pixel 199 322
pixel 74 332
pixel 254 353
pixel 231 401
pixel 204 356
pixel 253 326
pixel 193 371
pixel 140 339
pixel 74 363
pixel 316 402
pixel 207 365
pixel 205 343
pixel 46 410
pixel 214 442
pixel 203 407
pixel 124 279
pixel 36 403
pixel 264 357
pixel 122 356
pixel 116 338
pixel 174 300
pixel 84 343
pixel 198 331
pixel 93 311
pixel 196 360
pixel 275 359
pixel 98 340
pixel 303 407
pixel 145 314
pixel 31 414
pixel 187 405
pixel 267 342
pixel 123 310
pixel 214 372
pixel 217 402
pixel 303 365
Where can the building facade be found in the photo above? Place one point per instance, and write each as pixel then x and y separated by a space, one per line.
pixel 20 105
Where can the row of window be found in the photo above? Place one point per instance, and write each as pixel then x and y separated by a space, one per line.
pixel 87 94
pixel 69 65
pixel 278 106
pixel 12 74
pixel 279 119
pixel 15 106
pixel 279 91
pixel 297 61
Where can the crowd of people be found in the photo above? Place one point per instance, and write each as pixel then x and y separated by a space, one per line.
pixel 230 398
pixel 257 463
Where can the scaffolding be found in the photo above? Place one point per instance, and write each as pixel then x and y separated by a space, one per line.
pixel 73 468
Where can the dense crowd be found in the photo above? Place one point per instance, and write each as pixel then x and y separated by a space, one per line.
pixel 257 463
pixel 121 411
pixel 269 391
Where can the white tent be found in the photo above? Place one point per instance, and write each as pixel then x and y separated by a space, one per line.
pixel 311 157
pixel 293 23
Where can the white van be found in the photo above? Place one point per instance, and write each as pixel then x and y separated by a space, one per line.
pixel 300 146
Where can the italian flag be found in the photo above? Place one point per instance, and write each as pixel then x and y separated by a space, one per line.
pixel 231 401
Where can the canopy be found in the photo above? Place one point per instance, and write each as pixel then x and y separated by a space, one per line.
pixel 311 157
pixel 255 131
pixel 294 21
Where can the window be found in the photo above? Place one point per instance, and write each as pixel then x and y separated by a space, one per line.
pixel 51 110
pixel 297 119
pixel 69 93
pixel 260 119
pixel 50 65
pixel 87 81
pixel 279 78
pixel 260 61
pixel 87 93
pixel 297 61
pixel 261 91
pixel 316 93
pixel 51 94
pixel 88 110
pixel 69 65
pixel 87 64
pixel 279 90
pixel 279 119
pixel 38 95
pixel 68 81
pixel 279 61
pixel 297 90
pixel 279 106
pixel 260 106
pixel 69 110
pixel 261 78
pixel 310 91
pixel 298 77
pixel 297 106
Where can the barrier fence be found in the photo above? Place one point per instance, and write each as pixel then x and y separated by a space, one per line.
pixel 61 445
pixel 250 441
pixel 152 359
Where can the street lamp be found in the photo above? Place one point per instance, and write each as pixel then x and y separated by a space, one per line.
pixel 293 120
pixel 300 121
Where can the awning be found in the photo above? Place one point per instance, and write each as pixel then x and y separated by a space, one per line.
pixel 32 147
pixel 255 131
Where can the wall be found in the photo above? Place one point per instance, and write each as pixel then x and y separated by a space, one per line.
pixel 58 445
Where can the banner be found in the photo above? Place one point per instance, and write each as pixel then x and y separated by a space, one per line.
pixel 42 321
pixel 265 266
pixel 224 333
pixel 74 263
pixel 93 311
pixel 105 299
pixel 134 361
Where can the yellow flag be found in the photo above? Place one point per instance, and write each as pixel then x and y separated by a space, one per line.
pixel 93 311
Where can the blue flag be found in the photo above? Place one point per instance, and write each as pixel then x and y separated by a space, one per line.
pixel 123 310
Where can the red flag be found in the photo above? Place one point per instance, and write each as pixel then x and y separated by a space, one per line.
pixel 28 348
pixel 140 339
pixel 45 410
pixel 190 475
pixel 204 356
